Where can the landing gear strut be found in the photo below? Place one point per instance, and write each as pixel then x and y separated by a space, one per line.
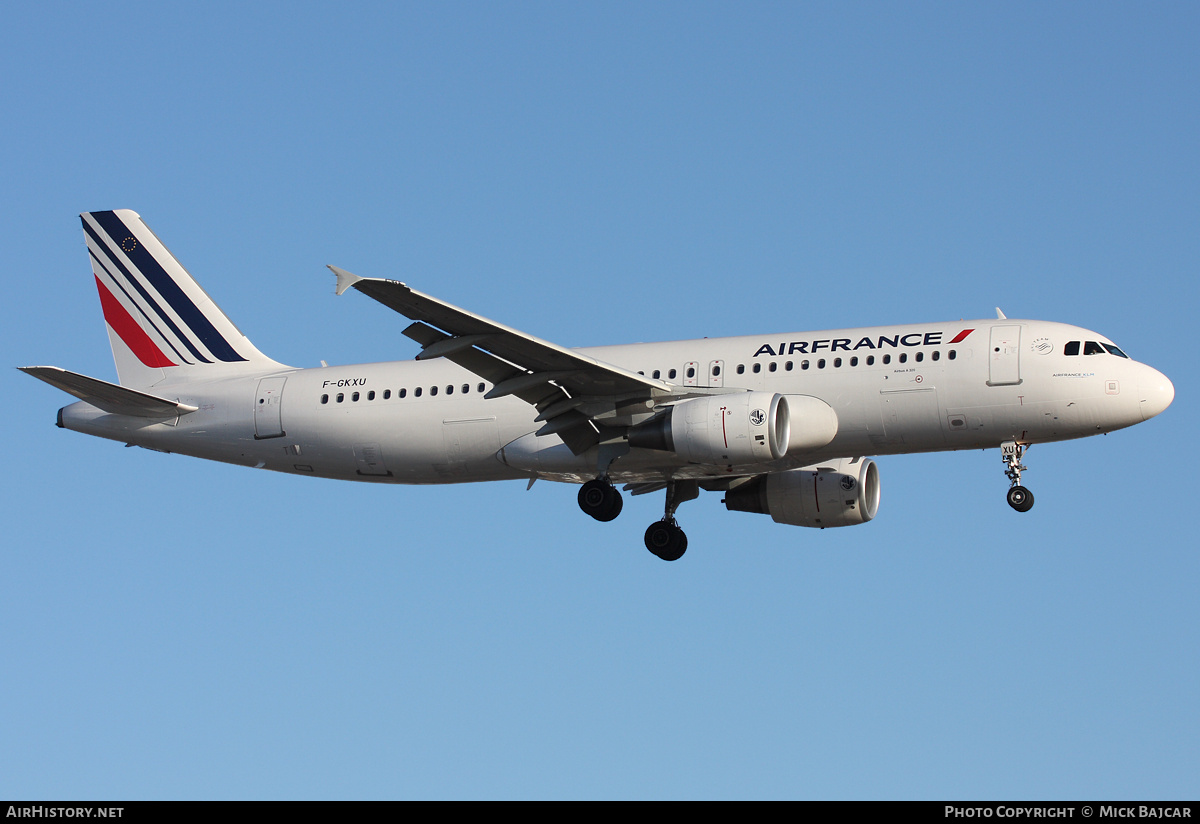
pixel 600 499
pixel 664 538
pixel 1019 498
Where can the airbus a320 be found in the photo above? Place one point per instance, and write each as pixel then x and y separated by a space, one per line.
pixel 779 424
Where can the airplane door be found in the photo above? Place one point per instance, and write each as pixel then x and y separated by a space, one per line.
pixel 716 373
pixel 268 421
pixel 691 373
pixel 1004 356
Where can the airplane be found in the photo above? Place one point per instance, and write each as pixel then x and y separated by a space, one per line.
pixel 781 424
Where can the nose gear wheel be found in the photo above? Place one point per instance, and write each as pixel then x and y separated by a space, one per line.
pixel 1019 498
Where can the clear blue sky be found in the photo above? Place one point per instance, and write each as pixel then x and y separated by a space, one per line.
pixel 598 173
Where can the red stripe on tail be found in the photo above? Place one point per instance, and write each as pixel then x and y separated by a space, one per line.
pixel 128 330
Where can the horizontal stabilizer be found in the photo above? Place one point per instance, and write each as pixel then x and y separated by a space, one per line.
pixel 116 400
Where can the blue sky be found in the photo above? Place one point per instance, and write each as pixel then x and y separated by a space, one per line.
pixel 601 173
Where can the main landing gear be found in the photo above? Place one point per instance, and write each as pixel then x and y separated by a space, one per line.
pixel 601 500
pixel 664 538
pixel 1019 498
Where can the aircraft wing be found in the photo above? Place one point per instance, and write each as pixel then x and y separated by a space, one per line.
pixel 574 393
pixel 116 400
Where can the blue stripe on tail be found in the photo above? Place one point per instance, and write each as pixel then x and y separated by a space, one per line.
pixel 120 237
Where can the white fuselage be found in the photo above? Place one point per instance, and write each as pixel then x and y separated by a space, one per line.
pixel 901 389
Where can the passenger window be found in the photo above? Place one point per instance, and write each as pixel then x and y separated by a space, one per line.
pixel 354 397
pixel 691 372
pixel 821 363
pixel 656 375
pixel 741 370
pixel 466 387
pixel 417 392
pixel 341 397
pixel 432 391
pixel 773 366
pixel 854 361
pixel 671 374
pixel 887 359
pixel 387 393
pixel 324 399
pixel 904 357
pixel 937 354
pixel 1072 348
pixel 951 354
pixel 870 360
pixel 788 366
pixel 757 368
pixel 920 357
pixel 716 371
pixel 402 393
pixel 803 364
pixel 371 395
pixel 837 363
pixel 480 387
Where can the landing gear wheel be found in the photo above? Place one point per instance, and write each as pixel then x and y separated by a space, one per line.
pixel 1020 499
pixel 601 500
pixel 666 540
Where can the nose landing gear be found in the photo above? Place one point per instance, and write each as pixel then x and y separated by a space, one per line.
pixel 1019 498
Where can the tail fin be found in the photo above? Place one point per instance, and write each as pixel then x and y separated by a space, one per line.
pixel 161 323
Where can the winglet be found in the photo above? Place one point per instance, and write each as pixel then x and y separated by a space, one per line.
pixel 999 315
pixel 344 279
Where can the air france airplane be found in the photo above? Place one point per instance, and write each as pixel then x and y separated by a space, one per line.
pixel 780 424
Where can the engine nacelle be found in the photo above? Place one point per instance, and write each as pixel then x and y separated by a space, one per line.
pixel 840 493
pixel 739 428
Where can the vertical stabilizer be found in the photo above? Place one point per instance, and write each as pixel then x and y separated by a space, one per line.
pixel 162 325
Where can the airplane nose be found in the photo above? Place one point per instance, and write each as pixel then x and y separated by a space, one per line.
pixel 1155 393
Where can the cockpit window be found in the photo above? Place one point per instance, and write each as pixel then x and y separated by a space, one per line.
pixel 1092 348
pixel 1112 350
pixel 1071 348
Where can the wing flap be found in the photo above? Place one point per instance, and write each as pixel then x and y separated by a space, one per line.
pixel 550 399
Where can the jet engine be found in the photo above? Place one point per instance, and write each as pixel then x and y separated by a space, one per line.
pixel 844 492
pixel 738 428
